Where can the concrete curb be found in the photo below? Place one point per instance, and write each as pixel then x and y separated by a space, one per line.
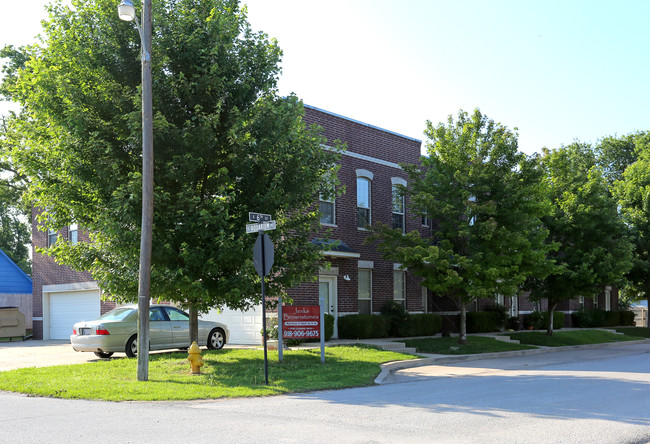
pixel 391 367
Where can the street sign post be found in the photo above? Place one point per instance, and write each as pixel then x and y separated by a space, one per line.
pixel 263 258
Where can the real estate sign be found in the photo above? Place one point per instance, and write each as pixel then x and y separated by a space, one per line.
pixel 301 322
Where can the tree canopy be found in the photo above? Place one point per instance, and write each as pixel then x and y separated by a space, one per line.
pixel 224 143
pixel 485 199
pixel 593 243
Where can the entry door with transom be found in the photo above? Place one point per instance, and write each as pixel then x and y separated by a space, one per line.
pixel 327 289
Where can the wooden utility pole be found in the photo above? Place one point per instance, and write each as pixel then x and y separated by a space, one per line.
pixel 144 282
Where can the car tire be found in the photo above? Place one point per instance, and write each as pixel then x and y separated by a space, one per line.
pixel 103 355
pixel 131 348
pixel 216 339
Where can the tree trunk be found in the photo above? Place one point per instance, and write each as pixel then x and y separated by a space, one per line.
pixel 194 324
pixel 549 330
pixel 462 338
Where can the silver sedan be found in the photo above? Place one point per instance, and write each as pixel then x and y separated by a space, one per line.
pixel 169 327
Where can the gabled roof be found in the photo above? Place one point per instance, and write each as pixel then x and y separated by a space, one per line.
pixel 13 280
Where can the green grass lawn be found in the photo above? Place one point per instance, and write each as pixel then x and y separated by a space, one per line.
pixel 573 337
pixel 640 332
pixel 226 373
pixel 450 346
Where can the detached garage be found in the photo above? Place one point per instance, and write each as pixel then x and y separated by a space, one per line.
pixel 65 304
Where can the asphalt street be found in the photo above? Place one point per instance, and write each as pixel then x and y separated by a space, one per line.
pixel 596 395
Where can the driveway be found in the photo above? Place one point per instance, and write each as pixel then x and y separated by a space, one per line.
pixel 34 353
pixel 40 354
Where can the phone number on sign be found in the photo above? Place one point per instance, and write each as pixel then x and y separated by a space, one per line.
pixel 301 334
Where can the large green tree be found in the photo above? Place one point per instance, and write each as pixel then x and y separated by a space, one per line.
pixel 485 199
pixel 633 193
pixel 224 143
pixel 15 233
pixel 594 246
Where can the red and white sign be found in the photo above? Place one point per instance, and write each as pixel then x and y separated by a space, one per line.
pixel 301 322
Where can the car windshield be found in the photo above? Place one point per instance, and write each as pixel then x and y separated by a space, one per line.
pixel 117 314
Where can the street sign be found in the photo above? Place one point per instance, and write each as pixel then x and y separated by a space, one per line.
pixel 265 226
pixel 259 217
pixel 263 254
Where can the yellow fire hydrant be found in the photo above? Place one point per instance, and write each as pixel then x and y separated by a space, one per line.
pixel 194 356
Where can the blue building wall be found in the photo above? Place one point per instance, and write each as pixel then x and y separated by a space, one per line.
pixel 13 280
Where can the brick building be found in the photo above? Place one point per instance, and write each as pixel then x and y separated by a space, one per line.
pixel 359 280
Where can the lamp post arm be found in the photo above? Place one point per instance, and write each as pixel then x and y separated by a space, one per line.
pixel 144 54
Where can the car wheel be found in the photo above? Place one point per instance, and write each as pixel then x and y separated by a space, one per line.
pixel 104 355
pixel 131 348
pixel 216 339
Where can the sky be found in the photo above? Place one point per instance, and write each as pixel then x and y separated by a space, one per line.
pixel 558 71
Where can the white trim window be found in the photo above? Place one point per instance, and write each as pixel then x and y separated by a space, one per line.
pixel 73 233
pixel 398 209
pixel 608 299
pixel 399 287
pixel 596 302
pixel 327 208
pixel 363 202
pixel 425 220
pixel 52 235
pixel 581 302
pixel 365 291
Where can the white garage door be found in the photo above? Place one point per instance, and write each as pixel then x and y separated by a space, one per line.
pixel 244 326
pixel 70 307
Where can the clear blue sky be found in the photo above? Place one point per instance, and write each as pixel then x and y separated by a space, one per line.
pixel 556 70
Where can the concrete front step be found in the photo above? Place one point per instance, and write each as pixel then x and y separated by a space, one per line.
pixel 507 339
pixel 396 347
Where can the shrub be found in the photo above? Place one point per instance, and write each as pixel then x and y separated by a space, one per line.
pixel 501 313
pixel 329 326
pixel 425 324
pixel 483 321
pixel 558 321
pixel 399 319
pixel 513 323
pixel 356 326
pixel 627 317
pixel 380 326
pixel 612 318
pixel 535 320
pixel 589 318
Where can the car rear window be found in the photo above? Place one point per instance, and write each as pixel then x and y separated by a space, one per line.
pixel 117 314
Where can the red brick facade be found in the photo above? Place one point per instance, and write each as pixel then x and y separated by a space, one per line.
pixel 378 152
pixel 45 271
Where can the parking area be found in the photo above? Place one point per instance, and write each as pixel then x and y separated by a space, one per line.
pixel 33 353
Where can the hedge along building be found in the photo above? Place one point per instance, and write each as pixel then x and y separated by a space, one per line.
pixel 358 279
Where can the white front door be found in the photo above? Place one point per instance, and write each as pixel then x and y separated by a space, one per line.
pixel 327 289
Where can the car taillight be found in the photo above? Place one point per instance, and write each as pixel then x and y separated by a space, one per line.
pixel 101 330
pixel 74 331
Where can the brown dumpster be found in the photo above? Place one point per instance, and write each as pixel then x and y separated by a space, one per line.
pixel 12 323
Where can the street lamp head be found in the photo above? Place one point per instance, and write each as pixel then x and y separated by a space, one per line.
pixel 126 11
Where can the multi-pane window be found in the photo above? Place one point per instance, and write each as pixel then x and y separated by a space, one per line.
pixel 327 211
pixel 398 209
pixel 596 302
pixel 363 202
pixel 399 287
pixel 51 237
pixel 73 233
pixel 581 302
pixel 425 220
pixel 365 291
